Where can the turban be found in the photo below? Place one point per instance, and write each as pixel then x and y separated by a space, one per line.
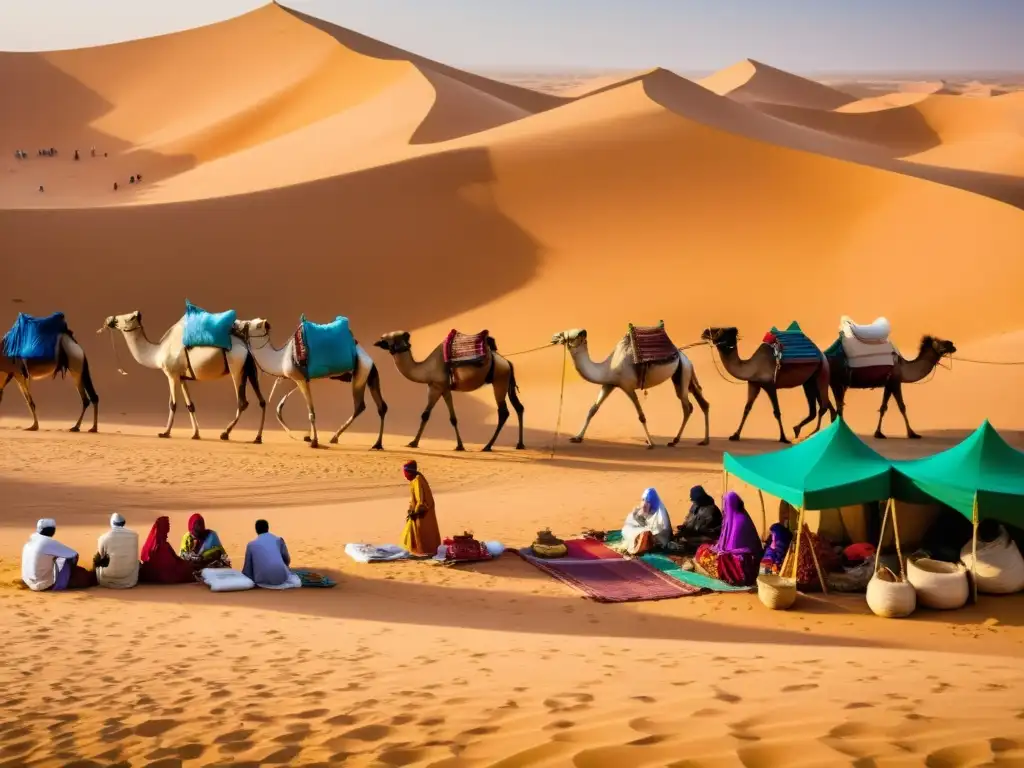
pixel 410 465
pixel 116 520
pixel 44 523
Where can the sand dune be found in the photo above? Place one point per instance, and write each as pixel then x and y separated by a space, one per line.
pixel 751 81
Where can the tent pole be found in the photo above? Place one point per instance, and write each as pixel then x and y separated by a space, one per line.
pixel 725 482
pixel 974 548
pixel 817 565
pixel 896 538
pixel 796 553
pixel 881 535
pixel 764 514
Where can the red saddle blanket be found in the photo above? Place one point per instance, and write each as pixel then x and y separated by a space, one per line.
pixel 301 350
pixel 464 348
pixel 650 344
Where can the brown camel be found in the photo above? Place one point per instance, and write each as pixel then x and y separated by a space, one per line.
pixel 762 371
pixel 442 379
pixel 903 371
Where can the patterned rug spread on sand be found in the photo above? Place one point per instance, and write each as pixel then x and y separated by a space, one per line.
pixel 34 338
pixel 792 345
pixel 671 568
pixel 605 576
pixel 206 329
pixel 465 348
pixel 651 344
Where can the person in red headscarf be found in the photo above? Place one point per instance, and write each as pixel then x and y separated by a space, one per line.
pixel 421 535
pixel 201 547
pixel 159 563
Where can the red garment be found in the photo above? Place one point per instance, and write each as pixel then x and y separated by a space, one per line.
pixel 160 563
pixel 769 338
pixel 858 553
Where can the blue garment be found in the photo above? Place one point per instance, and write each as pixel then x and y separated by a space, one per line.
pixel 205 329
pixel 331 350
pixel 267 560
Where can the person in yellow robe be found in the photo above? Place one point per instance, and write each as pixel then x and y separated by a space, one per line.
pixel 421 535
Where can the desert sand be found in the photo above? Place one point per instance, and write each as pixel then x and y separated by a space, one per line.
pixel 327 173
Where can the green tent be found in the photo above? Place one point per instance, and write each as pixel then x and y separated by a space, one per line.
pixel 834 468
pixel 983 465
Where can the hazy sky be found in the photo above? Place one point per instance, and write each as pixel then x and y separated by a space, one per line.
pixel 685 35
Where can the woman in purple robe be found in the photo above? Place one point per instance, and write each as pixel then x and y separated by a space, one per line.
pixel 736 557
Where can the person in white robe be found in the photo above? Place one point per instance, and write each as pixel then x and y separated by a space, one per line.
pixel 117 556
pixel 45 562
pixel 648 527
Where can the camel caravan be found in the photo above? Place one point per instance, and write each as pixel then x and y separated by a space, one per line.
pixel 204 346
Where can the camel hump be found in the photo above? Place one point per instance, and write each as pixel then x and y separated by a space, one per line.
pixel 877 330
pixel 35 339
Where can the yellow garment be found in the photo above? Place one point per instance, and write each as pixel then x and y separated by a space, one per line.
pixel 421 535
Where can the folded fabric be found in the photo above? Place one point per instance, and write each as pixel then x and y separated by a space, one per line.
pixel 294 582
pixel 226 580
pixel 671 568
pixel 376 553
pixel 311 578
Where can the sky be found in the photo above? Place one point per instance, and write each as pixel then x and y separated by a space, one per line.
pixel 808 36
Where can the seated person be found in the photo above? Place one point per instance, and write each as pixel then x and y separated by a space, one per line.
pixel 703 523
pixel 201 547
pixel 779 539
pixel 648 526
pixel 160 563
pixel 48 564
pixel 267 558
pixel 117 556
pixel 736 556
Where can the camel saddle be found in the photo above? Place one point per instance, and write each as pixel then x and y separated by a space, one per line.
pixel 324 350
pixel 35 339
pixel 207 329
pixel 650 345
pixel 791 346
pixel 465 348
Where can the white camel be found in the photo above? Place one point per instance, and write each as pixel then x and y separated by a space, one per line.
pixel 197 364
pixel 281 364
pixel 619 371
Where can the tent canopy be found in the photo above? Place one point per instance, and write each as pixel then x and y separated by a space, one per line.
pixel 983 464
pixel 834 468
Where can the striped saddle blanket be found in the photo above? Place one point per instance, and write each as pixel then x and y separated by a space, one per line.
pixel 650 344
pixel 792 345
pixel 465 348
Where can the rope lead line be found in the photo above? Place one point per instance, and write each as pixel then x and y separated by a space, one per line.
pixel 561 399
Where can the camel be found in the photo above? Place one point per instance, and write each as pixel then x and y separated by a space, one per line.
pixel 903 371
pixel 70 358
pixel 280 363
pixel 197 364
pixel 761 371
pixel 619 371
pixel 438 376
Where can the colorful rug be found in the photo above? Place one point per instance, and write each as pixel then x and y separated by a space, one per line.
pixel 651 344
pixel 311 578
pixel 611 580
pixel 205 329
pixel 464 348
pixel 34 338
pixel 329 349
pixel 670 567
pixel 794 345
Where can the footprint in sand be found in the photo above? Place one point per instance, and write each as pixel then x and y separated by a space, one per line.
pixel 729 698
pixel 232 737
pixel 368 733
pixel 803 687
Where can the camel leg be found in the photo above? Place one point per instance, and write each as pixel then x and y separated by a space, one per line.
pixel 839 393
pixel 704 405
pixel 773 396
pixel 606 390
pixel 631 394
pixel 897 393
pixel 517 406
pixel 359 387
pixel 307 394
pixel 239 379
pixel 753 390
pixel 26 392
pixel 886 394
pixel 252 375
pixel 85 403
pixel 447 395
pixel 500 395
pixel 433 395
pixel 172 406
pixel 86 390
pixel 810 390
pixel 679 380
pixel 191 408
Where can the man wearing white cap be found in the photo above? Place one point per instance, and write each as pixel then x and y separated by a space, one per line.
pixel 117 557
pixel 48 564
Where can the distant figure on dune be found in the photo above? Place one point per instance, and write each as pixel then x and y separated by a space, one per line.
pixel 104 154
pixel 131 179
pixel 138 177
pixel 40 187
pixel 76 154
pixel 92 151
pixel 421 535
pixel 115 186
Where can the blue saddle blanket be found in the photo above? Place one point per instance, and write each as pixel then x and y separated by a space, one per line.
pixel 796 347
pixel 35 338
pixel 330 348
pixel 206 329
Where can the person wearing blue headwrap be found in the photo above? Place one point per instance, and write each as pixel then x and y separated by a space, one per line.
pixel 648 526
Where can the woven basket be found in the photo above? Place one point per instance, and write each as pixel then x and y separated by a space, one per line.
pixel 890 597
pixel 938 584
pixel 1000 566
pixel 776 592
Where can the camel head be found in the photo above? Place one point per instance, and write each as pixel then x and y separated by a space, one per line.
pixel 257 328
pixel 124 323
pixel 940 347
pixel 721 337
pixel 395 342
pixel 576 337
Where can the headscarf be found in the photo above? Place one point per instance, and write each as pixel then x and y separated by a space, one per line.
pixel 739 535
pixel 197 528
pixel 654 518
pixel 116 521
pixel 46 522
pixel 409 469
pixel 780 539
pixel 699 496
pixel 157 537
